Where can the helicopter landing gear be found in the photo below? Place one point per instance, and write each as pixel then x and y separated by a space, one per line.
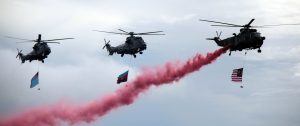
pixel 122 55
pixel 42 61
pixel 230 53
pixel 134 56
pixel 30 61
pixel 259 50
pixel 141 52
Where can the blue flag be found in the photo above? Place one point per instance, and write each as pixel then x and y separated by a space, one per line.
pixel 34 80
pixel 123 77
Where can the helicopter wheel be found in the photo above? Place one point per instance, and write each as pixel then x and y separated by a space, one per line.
pixel 122 55
pixel 259 51
pixel 230 53
pixel 42 61
pixel 141 52
pixel 134 56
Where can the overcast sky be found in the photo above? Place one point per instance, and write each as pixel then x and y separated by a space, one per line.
pixel 80 71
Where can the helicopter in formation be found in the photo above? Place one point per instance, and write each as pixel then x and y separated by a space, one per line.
pixel 248 38
pixel 133 44
pixel 40 51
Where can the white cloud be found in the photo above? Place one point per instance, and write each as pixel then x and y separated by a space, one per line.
pixel 277 93
pixel 275 53
pixel 174 19
pixel 297 70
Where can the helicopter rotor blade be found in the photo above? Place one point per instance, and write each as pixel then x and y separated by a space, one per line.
pixel 249 24
pixel 227 25
pixel 17 38
pixel 240 26
pixel 51 42
pixel 277 25
pixel 123 31
pixel 111 32
pixel 29 41
pixel 57 39
pixel 150 32
pixel 219 22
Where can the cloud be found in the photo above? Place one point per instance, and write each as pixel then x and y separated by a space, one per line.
pixel 277 93
pixel 173 20
pixel 297 70
pixel 275 53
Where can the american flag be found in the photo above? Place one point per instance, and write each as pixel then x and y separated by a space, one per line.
pixel 237 75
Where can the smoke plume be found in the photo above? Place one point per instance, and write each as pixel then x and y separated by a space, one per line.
pixel 126 95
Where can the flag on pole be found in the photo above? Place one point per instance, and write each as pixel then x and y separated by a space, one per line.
pixel 123 77
pixel 237 75
pixel 34 80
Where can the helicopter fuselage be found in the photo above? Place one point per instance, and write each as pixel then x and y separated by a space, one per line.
pixel 40 52
pixel 250 39
pixel 132 46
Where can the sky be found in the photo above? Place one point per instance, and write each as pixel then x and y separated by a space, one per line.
pixel 79 70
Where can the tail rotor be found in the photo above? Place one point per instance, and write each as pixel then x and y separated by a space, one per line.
pixel 106 43
pixel 217 37
pixel 19 53
pixel 219 34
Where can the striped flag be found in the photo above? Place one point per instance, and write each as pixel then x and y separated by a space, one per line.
pixel 123 77
pixel 237 75
pixel 34 80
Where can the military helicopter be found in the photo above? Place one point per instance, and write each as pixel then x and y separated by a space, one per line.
pixel 41 50
pixel 247 39
pixel 133 44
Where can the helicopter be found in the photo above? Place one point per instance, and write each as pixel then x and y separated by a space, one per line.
pixel 248 38
pixel 40 51
pixel 133 44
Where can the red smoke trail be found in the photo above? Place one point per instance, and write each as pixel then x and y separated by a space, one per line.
pixel 52 115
